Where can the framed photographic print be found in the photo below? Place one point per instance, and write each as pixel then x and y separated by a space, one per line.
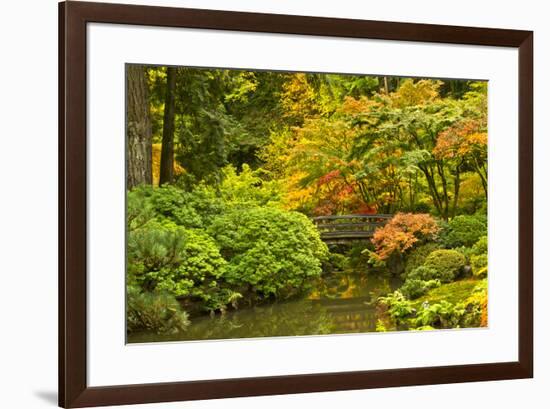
pixel 256 204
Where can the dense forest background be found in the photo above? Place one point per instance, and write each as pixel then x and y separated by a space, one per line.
pixel 332 144
pixel 227 171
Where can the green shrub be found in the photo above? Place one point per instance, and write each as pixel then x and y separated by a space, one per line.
pixel 414 287
pixel 249 188
pixel 270 252
pixel 188 209
pixel 427 273
pixel 447 263
pixel 417 257
pixel 197 261
pixel 467 314
pixel 182 262
pixel 480 247
pixel 442 315
pixel 153 248
pixel 464 231
pixel 467 252
pixel 357 255
pixel 399 308
pixel 158 312
pixel 167 202
pixel 424 273
pixel 139 210
pixel 479 265
pixel 206 202
pixel 337 261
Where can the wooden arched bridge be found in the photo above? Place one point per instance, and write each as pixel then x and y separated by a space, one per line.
pixel 336 229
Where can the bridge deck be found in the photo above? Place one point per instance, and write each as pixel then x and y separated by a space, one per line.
pixel 349 227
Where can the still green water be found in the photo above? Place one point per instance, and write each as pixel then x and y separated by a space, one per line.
pixel 339 303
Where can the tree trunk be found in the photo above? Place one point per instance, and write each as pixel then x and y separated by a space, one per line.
pixel 456 190
pixel 445 195
pixel 167 152
pixel 138 128
pixel 432 187
pixel 482 172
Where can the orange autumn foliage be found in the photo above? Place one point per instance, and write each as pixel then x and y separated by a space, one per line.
pixel 415 93
pixel 361 106
pixel 363 208
pixel 402 232
pixel 460 140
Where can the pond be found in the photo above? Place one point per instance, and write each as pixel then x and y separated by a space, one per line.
pixel 339 303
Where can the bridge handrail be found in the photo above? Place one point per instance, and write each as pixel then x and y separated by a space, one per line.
pixel 354 216
pixel 350 226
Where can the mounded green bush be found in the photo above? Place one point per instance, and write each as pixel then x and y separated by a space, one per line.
pixel 188 209
pixel 158 312
pixel 417 257
pixel 151 249
pixel 447 263
pixel 270 252
pixel 414 287
pixel 464 231
pixel 424 273
pixel 197 261
pixel 182 262
pixel 480 247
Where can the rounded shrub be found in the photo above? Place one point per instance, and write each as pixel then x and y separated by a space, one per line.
pixel 187 209
pixel 185 263
pixel 270 252
pixel 464 231
pixel 447 263
pixel 417 257
pixel 424 273
pixel 402 233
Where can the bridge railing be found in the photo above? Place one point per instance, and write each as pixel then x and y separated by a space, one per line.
pixel 349 227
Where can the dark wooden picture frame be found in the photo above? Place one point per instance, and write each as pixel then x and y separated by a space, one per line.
pixel 73 388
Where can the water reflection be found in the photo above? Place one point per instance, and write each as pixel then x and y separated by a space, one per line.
pixel 339 303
